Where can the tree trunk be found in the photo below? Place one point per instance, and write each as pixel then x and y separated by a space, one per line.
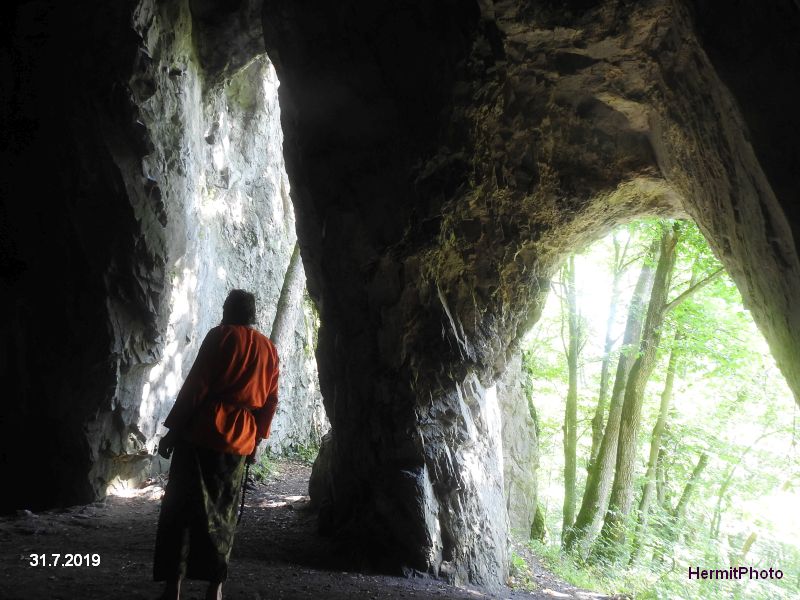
pixel 571 412
pixel 726 483
pixel 613 536
pixel 648 488
pixel 662 496
pixel 680 509
pixel 716 520
pixel 595 496
pixel 289 303
pixel 605 366
pixel 650 481
pixel 538 527
pixel 748 543
pixel 679 512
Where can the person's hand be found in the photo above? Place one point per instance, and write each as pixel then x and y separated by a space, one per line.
pixel 167 444
pixel 252 456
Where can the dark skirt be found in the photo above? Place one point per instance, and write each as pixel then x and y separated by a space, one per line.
pixel 198 514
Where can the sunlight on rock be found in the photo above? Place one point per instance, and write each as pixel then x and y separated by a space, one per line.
pixel 182 292
pixel 155 373
pixel 271 84
pixel 219 158
pixel 165 377
pixel 171 384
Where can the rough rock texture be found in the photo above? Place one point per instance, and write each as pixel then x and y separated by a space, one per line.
pixel 217 160
pixel 520 448
pixel 162 186
pixel 444 157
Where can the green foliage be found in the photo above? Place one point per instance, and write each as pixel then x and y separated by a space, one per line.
pixel 262 469
pixel 267 465
pixel 518 563
pixel 730 402
pixel 305 454
pixel 570 568
pixel 538 366
pixel 666 581
pixel 299 452
pixel 520 572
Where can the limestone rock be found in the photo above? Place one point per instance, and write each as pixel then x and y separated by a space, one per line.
pixel 171 169
pixel 520 448
pixel 444 159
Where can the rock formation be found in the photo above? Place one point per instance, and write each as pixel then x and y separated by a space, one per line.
pixel 160 185
pixel 520 435
pixel 444 156
pixel 499 136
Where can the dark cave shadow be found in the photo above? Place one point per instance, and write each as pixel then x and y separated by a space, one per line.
pixel 289 534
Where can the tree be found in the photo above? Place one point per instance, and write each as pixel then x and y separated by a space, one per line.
pixel 680 508
pixel 724 486
pixel 650 479
pixel 289 303
pixel 595 495
pixel 718 391
pixel 678 513
pixel 648 488
pixel 571 411
pixel 619 266
pixel 613 533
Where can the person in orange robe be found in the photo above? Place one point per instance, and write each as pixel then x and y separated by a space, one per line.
pixel 224 408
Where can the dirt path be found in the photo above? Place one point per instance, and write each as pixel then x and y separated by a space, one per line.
pixel 277 554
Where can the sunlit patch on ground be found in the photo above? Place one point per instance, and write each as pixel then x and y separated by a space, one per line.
pixel 150 492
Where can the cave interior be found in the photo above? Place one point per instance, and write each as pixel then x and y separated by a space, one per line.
pixel 442 158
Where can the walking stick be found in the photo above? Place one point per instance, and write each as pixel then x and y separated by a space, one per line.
pixel 244 490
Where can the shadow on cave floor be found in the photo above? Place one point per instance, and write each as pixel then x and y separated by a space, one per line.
pixel 277 553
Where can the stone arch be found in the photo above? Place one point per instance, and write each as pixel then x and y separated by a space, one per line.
pixel 494 138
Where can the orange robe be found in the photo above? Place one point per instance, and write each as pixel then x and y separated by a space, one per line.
pixel 229 398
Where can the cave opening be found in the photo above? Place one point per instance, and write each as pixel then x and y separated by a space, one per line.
pixel 216 164
pixel 716 464
pixel 188 199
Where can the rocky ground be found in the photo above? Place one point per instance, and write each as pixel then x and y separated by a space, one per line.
pixel 277 554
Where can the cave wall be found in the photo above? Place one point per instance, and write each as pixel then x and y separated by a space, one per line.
pixel 741 152
pixel 520 436
pixel 217 161
pixel 444 158
pixel 144 180
pixel 70 234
